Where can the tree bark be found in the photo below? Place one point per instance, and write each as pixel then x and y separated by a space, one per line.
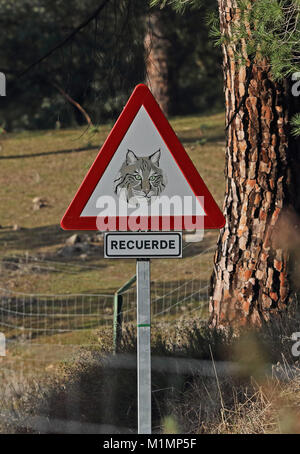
pixel 156 48
pixel 251 279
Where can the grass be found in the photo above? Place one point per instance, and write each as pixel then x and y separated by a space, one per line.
pixel 47 383
pixel 51 165
pixel 187 402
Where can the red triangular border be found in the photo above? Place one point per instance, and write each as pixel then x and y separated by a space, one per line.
pixel 141 95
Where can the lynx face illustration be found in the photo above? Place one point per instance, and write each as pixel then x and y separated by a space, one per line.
pixel 141 177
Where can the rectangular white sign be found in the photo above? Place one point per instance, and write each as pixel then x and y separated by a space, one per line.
pixel 147 245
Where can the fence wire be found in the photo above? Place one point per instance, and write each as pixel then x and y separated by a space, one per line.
pixel 42 330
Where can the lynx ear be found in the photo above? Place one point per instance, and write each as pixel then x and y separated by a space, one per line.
pixel 131 158
pixel 155 157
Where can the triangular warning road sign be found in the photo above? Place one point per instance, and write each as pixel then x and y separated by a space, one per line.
pixel 142 159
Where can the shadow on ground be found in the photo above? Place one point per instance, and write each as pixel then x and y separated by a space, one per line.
pixel 48 153
pixel 33 238
pixel 195 140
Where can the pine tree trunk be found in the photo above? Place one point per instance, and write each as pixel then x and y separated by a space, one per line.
pixel 156 49
pixel 251 279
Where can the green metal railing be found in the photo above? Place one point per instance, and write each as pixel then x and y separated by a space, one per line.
pixel 118 318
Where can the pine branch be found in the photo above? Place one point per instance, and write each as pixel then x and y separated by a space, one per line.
pixel 67 39
pixel 72 101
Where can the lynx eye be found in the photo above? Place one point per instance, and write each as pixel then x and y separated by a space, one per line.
pixel 138 177
pixel 153 177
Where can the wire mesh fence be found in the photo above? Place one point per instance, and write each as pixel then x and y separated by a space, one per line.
pixel 29 316
pixel 170 300
pixel 41 330
pixel 173 298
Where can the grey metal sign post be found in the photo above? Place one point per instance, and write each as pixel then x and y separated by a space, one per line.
pixel 143 346
pixel 142 246
pixel 103 202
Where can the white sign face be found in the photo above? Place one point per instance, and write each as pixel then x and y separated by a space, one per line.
pixel 142 179
pixel 146 245
pixel 143 170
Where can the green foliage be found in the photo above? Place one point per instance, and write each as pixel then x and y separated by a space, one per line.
pixel 178 5
pixel 213 23
pixel 202 141
pixel 101 65
pixel 269 31
pixel 98 68
pixel 269 28
pixel 195 79
pixel 295 123
pixel 274 36
pixel 170 425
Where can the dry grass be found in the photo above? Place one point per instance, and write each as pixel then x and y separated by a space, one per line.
pixel 51 165
pixel 239 408
pixel 85 394
pixel 97 391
